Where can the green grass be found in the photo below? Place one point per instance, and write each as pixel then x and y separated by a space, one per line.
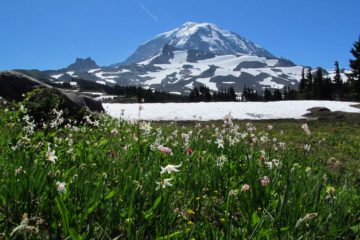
pixel 111 191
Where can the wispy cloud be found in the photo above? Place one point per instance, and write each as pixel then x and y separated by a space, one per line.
pixel 148 12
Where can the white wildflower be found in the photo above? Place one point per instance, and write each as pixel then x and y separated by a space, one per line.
pixel 221 161
pixel 164 183
pixel 50 155
pixel 170 168
pixel 305 127
pixel 307 147
pixel 220 142
pixel 61 187
pixel 308 217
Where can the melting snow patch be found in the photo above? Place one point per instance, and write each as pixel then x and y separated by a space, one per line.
pixel 57 76
pixel 217 110
pixel 101 82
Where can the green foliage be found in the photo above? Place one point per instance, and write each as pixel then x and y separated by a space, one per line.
pixel 106 181
pixel 40 102
pixel 48 106
pixel 355 68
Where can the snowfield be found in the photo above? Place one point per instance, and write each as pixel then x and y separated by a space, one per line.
pixel 217 110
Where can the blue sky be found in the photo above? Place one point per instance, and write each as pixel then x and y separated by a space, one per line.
pixel 50 34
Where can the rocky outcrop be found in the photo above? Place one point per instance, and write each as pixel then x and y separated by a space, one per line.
pixel 82 65
pixel 14 86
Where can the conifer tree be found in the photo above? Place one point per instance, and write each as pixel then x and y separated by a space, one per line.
pixel 309 83
pixel 338 81
pixel 267 95
pixel 277 96
pixel 355 68
pixel 318 85
pixel 302 86
pixel 232 94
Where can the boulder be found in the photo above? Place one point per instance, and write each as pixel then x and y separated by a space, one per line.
pixel 14 86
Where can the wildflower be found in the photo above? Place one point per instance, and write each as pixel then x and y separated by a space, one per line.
pixel 233 193
pixel 50 156
pixel 189 151
pixel 270 127
pixel 264 139
pixel 114 132
pixel 305 127
pixel 112 154
pixel 164 149
pixel 221 160
pixel 308 170
pixel 137 184
pixel 19 170
pixel 276 162
pixel 228 119
pixel 245 188
pixel 61 187
pixel 265 181
pixel 164 183
pixel 308 217
pixel 330 190
pixel 307 147
pixel 24 227
pixel 220 142
pixel 269 164
pixel 186 138
pixel 170 168
pixel 146 127
pixel 190 212
pixel 282 145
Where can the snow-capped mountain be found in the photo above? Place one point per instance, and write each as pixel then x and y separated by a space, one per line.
pixel 192 55
pixel 205 37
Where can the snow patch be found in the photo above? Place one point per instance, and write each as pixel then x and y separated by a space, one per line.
pixel 217 110
pixel 101 82
pixel 57 76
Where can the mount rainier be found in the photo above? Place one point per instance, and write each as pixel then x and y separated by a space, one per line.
pixel 192 55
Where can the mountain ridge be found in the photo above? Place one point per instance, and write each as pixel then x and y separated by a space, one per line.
pixel 193 54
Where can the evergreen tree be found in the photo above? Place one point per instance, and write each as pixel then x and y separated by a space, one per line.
pixel 318 85
pixel 355 68
pixel 338 82
pixel 277 96
pixel 267 95
pixel 194 95
pixel 243 93
pixel 328 89
pixel 232 94
pixel 204 94
pixel 290 94
pixel 303 83
pixel 309 84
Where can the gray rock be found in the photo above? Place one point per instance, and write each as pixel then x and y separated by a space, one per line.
pixel 14 85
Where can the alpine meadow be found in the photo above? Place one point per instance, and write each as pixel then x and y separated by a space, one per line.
pixel 198 120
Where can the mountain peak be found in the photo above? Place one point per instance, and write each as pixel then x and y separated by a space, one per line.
pixel 82 64
pixel 205 37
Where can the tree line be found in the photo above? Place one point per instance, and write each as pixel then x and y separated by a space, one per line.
pixel 203 94
pixel 314 86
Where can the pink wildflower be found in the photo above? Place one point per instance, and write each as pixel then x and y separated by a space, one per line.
pixel 189 151
pixel 164 149
pixel 245 188
pixel 265 181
